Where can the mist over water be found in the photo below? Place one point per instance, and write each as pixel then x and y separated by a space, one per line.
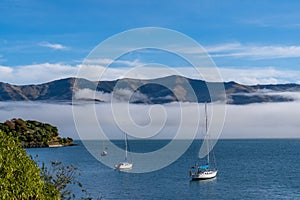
pixel 265 120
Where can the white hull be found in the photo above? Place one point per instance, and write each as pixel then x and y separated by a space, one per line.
pixel 123 166
pixel 204 175
pixel 103 153
pixel 55 145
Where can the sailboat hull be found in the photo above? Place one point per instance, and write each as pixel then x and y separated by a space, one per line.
pixel 204 175
pixel 123 166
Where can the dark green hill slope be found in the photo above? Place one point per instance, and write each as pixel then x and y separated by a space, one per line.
pixel 34 134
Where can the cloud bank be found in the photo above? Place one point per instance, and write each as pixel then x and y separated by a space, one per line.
pixel 45 72
pixel 268 120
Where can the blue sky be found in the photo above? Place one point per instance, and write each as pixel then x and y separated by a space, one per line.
pixel 250 41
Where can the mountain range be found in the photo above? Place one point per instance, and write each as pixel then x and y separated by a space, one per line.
pixel 153 91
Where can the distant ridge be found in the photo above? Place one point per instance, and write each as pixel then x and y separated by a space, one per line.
pixel 152 91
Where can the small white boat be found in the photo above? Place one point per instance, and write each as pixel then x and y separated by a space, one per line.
pixel 103 153
pixel 125 165
pixel 203 172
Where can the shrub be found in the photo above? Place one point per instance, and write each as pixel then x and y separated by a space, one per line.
pixel 19 175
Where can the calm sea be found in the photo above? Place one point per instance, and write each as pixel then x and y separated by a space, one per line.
pixel 248 169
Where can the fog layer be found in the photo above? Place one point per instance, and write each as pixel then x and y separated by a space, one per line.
pixel 266 120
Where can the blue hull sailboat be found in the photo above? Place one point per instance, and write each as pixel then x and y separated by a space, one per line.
pixel 203 172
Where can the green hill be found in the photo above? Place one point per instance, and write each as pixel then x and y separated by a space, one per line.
pixel 34 134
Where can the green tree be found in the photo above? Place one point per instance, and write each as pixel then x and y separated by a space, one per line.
pixel 19 175
pixel 61 176
pixel 33 133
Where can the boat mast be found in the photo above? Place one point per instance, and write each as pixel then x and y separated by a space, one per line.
pixel 207 136
pixel 125 146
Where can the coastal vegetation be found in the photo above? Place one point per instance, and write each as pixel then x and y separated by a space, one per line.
pixel 34 133
pixel 20 177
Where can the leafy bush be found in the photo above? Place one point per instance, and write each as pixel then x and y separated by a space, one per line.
pixel 19 175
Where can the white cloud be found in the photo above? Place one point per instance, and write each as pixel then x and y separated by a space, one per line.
pixel 5 70
pixel 269 120
pixel 55 46
pixel 45 72
pixel 264 75
pixel 293 95
pixel 119 95
pixel 105 61
pixel 126 95
pixel 122 63
pixel 223 47
pixel 278 21
pixel 254 51
pixel 37 73
pixel 90 94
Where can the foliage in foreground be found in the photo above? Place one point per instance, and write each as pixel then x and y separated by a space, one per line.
pixel 20 177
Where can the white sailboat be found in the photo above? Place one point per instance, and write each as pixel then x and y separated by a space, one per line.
pixel 202 172
pixel 104 153
pixel 124 165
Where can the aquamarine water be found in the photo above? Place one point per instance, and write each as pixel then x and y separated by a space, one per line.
pixel 248 169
